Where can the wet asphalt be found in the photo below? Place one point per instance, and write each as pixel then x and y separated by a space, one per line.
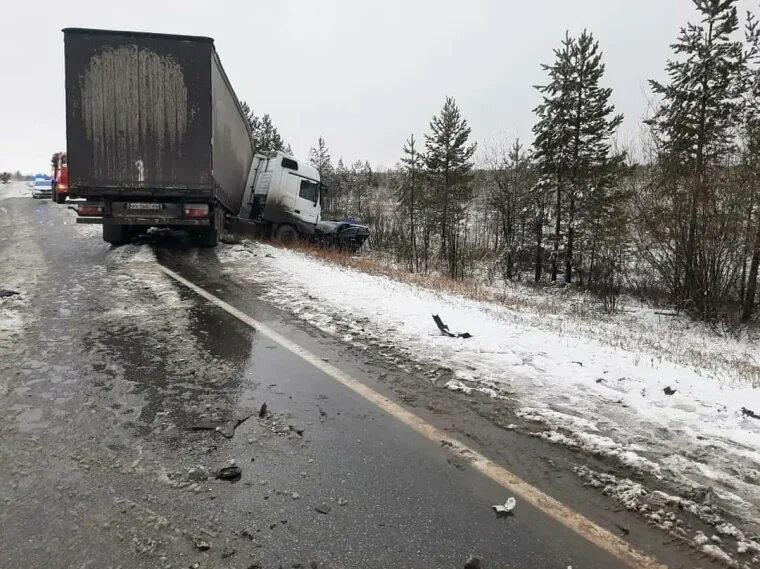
pixel 120 381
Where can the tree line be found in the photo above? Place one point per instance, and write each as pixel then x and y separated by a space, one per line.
pixel 676 219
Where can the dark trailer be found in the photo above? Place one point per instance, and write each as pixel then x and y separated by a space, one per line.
pixel 155 134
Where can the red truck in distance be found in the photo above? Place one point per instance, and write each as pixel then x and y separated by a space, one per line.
pixel 60 177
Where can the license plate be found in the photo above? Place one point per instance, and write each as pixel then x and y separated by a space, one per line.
pixel 143 205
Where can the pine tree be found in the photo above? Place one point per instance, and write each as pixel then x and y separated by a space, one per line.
pixel 573 144
pixel 448 165
pixel 357 186
pixel 694 127
pixel 408 194
pixel 265 136
pixel 551 142
pixel 339 190
pixel 751 162
pixel 319 157
pixel 268 138
pixel 253 120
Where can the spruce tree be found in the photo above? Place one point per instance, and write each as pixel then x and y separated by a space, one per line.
pixel 448 163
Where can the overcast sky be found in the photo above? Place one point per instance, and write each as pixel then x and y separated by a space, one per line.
pixel 363 74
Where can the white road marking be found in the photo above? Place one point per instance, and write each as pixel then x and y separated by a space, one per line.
pixel 556 510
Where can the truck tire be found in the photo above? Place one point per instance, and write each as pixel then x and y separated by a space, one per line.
pixel 211 236
pixel 132 231
pixel 286 234
pixel 59 198
pixel 114 234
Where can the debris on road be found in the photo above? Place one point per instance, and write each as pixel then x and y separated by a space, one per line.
pixel 263 411
pixel 472 563
pixel 298 430
pixel 231 473
pixel 323 509
pixel 506 508
pixel 669 390
pixel 228 552
pixel 197 474
pixel 201 544
pixel 445 329
pixel 248 533
pixel 225 428
pixel 230 432
pixel 750 413
pixel 623 529
pixel 6 292
pixel 342 501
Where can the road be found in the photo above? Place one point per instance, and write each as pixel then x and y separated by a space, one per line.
pixel 116 381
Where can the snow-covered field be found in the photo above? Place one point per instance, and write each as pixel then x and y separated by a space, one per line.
pixel 604 390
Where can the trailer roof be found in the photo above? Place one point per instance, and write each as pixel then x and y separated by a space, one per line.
pixel 90 31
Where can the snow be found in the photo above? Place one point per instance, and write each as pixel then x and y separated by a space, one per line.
pixel 15 190
pixel 718 554
pixel 594 387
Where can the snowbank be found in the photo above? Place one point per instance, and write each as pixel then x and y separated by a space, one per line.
pixel 605 399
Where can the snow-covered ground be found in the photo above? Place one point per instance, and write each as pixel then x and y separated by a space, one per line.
pixel 595 388
pixel 15 190
pixel 22 260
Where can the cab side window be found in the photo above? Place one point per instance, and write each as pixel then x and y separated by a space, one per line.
pixel 309 191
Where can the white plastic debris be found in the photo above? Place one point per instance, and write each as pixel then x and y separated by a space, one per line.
pixel 505 508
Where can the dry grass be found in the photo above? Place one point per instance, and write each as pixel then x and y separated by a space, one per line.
pixel 468 288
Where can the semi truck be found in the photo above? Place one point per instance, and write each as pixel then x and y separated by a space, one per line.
pixel 155 134
pixel 283 196
pixel 283 199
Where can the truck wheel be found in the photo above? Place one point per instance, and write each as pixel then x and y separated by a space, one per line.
pixel 114 234
pixel 286 234
pixel 59 198
pixel 132 231
pixel 208 238
pixel 211 236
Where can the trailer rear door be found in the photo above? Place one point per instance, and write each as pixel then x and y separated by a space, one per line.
pixel 138 110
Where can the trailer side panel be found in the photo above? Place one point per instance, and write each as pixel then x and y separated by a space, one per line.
pixel 233 146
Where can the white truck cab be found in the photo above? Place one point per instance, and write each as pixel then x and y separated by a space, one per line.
pixel 284 194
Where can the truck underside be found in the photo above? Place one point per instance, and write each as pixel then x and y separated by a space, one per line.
pixel 122 219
